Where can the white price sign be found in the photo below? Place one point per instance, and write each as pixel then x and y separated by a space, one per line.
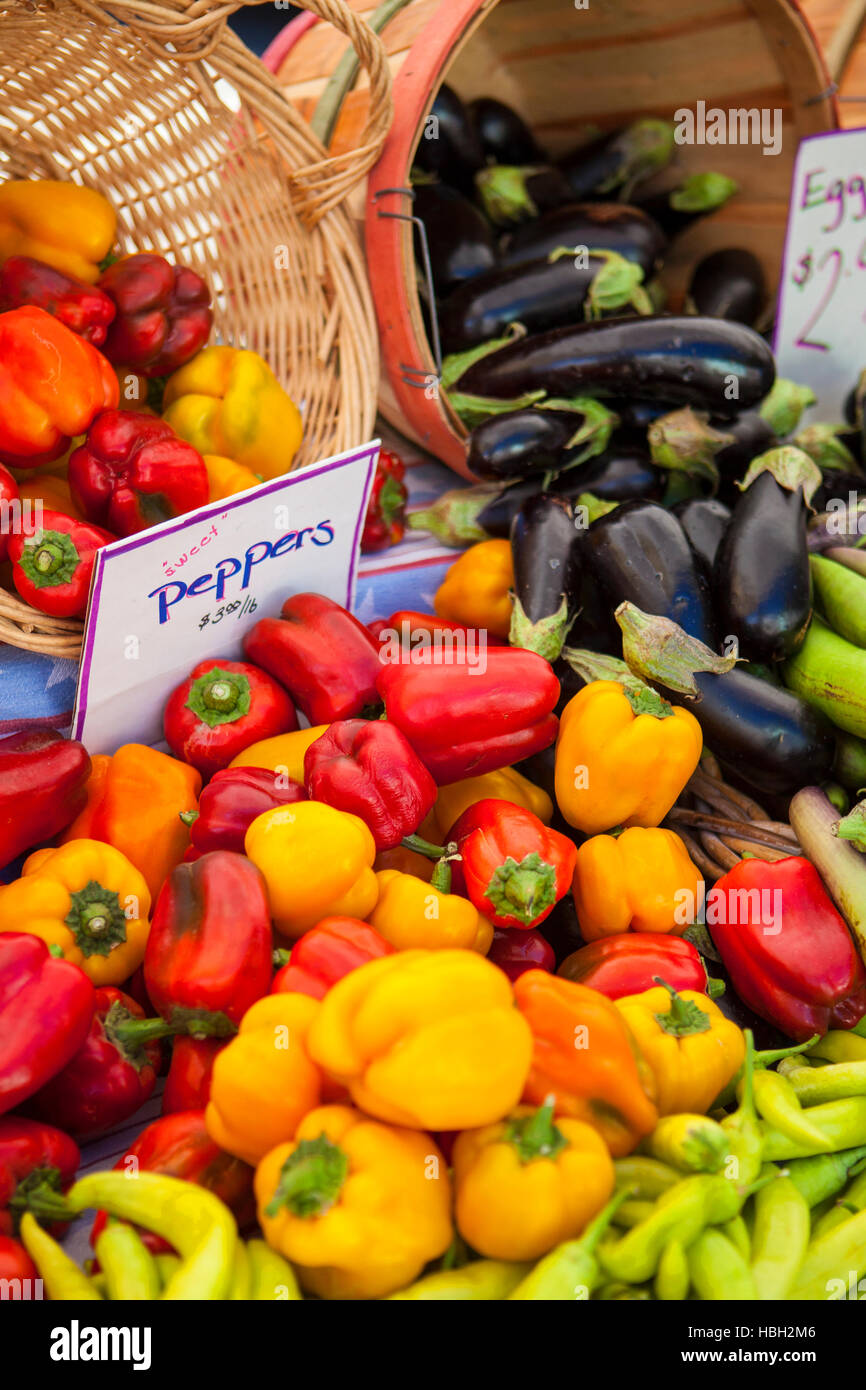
pixel 188 590
pixel 821 323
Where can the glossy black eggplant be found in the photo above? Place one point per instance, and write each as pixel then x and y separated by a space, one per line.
pixel 690 361
pixel 619 474
pixel 539 295
pixel 449 146
pixel 839 487
pixel 640 554
pixel 505 137
pixel 619 160
pixel 545 550
pixel 521 443
pixel 752 436
pixel 697 196
pixel 704 520
pixel 729 284
pixel 761 580
pixel 515 193
pixel 458 236
pixel 617 227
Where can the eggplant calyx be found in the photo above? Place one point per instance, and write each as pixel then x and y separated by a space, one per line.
pixel 824 447
pixel 544 636
pixel 646 146
pixel 617 285
pixel 504 194
pixel 791 468
pixel 783 405
pixel 598 425
pixel 853 826
pixel 596 666
pixel 589 508
pixel 456 364
pixel 703 192
pixel 659 651
pixel 474 410
pixel 685 442
pixel 453 518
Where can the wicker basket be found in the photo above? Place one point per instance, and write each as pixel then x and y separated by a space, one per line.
pixel 160 106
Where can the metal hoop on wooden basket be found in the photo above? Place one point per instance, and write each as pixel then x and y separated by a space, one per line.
pixel 160 106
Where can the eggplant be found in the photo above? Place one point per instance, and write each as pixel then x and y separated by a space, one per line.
pixel 704 520
pixel 689 361
pixel 539 295
pixel 504 136
pixel 545 550
pixel 619 474
pixel 640 554
pixel 598 226
pixel 458 236
pixel 512 193
pixel 521 443
pixel 619 160
pixel 697 195
pixel 449 146
pixel 729 285
pixel 839 487
pixel 752 436
pixel 761 578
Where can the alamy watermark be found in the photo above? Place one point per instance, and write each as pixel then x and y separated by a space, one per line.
pixel 738 125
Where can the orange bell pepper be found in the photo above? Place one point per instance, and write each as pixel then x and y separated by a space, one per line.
pixel 642 880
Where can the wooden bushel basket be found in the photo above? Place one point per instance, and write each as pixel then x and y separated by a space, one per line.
pixel 160 107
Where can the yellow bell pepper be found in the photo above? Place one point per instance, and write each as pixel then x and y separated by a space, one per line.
pixel 87 899
pixel 622 757
pixel 692 1049
pixel 51 493
pixel 225 477
pixel 427 1039
pixel 227 401
pixel 529 1182
pixel 317 862
pixel 263 1080
pixel 505 784
pixel 476 588
pixel 358 1207
pixel 411 913
pixel 642 880
pixel 62 224
pixel 283 754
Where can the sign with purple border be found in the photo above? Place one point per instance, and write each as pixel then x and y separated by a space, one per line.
pixel 820 336
pixel 189 590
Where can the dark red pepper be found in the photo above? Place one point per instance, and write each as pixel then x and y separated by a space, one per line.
pixel 43 780
pixel 629 963
pixel 163 313
pixel 187 1086
pixel 37 1163
pixel 52 562
pixel 515 951
pixel 133 471
pixel 111 1075
pixel 230 803
pixel 84 308
pixel 414 631
pixel 787 950
pixel 46 1006
pixel 512 866
pixel 220 709
pixel 368 767
pixel 476 713
pixel 210 943
pixel 327 952
pixel 321 654
pixel 385 522
pixel 181 1146
pixel 10 509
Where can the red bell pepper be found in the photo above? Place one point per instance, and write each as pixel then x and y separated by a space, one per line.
pixel 17 1269
pixel 133 471
pixel 327 952
pixel 84 308
pixel 385 521
pixel 416 632
pixel 111 1075
pixel 52 562
pixel 209 948
pixel 187 1086
pixel 163 313
pixel 786 948
pixel 46 1006
pixel 629 964
pixel 368 767
pixel 230 803
pixel 516 951
pixel 37 1164
pixel 43 782
pixel 181 1146
pixel 10 513
pixel 472 715
pixel 513 867
pixel 323 656
pixel 220 709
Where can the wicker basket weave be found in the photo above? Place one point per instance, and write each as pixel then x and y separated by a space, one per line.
pixel 160 106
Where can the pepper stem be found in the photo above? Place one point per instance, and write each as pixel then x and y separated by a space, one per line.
pixel 430 851
pixel 311 1179
pixel 188 817
pixel 40 1194
pixel 684 1017
pixel 440 879
pixel 96 919
pixel 536 1136
pixel 131 1035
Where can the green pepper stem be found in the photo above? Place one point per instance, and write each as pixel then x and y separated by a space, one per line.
pixel 440 879
pixel 683 1018
pixel 40 1194
pixel 311 1179
pixel 430 851
pixel 188 817
pixel 537 1136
